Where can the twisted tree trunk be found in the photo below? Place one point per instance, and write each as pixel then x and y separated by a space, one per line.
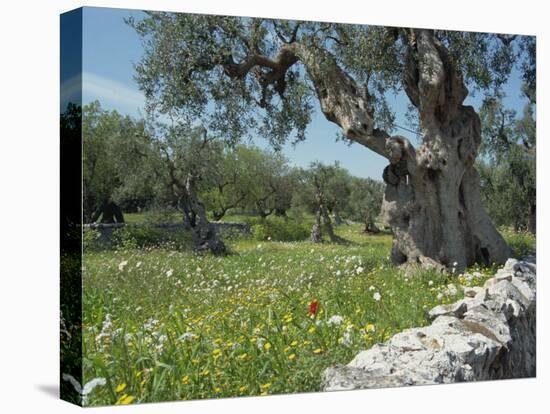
pixel 370 225
pixel 328 224
pixel 432 200
pixel 203 233
pixel 316 228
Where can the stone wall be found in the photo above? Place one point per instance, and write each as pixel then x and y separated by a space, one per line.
pixel 490 334
pixel 221 227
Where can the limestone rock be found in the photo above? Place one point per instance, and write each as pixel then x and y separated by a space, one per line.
pixel 490 334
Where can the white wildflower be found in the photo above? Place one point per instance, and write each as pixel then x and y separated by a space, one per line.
pixel 122 265
pixel 335 320
pixel 187 336
pixel 347 340
pixel 371 288
pixel 377 296
pixel 451 290
pixel 359 270
pixel 169 272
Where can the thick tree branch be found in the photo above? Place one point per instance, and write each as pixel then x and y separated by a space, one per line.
pixel 341 100
pixel 432 81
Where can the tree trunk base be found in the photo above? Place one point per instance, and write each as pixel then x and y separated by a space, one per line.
pixel 371 228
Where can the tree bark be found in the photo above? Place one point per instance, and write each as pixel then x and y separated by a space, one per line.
pixel 328 224
pixel 370 226
pixel 204 234
pixel 316 228
pixel 432 201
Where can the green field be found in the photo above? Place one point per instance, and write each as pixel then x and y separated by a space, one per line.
pixel 162 324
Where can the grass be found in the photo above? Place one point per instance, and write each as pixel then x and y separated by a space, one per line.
pixel 160 324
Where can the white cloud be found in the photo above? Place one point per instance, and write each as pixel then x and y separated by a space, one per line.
pixel 111 94
pixel 70 91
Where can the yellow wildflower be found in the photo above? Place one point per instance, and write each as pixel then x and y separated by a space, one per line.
pixel 317 351
pixel 267 346
pixel 185 380
pixel 125 399
pixel 292 356
pixel 294 343
pixel 120 387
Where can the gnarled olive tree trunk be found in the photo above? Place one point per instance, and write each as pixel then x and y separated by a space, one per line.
pixel 432 199
pixel 203 232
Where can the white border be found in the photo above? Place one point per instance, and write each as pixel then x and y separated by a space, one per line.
pixel 29 203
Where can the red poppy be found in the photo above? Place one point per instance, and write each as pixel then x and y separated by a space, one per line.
pixel 313 307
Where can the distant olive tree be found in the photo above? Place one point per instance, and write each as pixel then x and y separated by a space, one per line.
pixel 365 202
pixel 319 189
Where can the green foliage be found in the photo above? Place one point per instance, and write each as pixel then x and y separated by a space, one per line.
pixel 197 45
pixel 279 229
pixel 112 154
pixel 365 200
pixel 91 240
pixel 508 176
pixel 509 189
pixel 327 184
pixel 522 243
pixel 147 236
pixel 215 54
pixel 249 177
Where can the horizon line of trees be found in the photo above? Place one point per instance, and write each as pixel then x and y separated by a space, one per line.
pixel 132 165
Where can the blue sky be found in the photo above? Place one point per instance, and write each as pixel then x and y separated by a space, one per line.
pixel 111 48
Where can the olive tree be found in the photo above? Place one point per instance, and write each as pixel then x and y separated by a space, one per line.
pixel 318 192
pixel 176 161
pixel 365 202
pixel 245 75
pixel 102 132
pixel 508 170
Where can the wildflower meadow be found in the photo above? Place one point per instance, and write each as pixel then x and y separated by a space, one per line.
pixel 168 324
